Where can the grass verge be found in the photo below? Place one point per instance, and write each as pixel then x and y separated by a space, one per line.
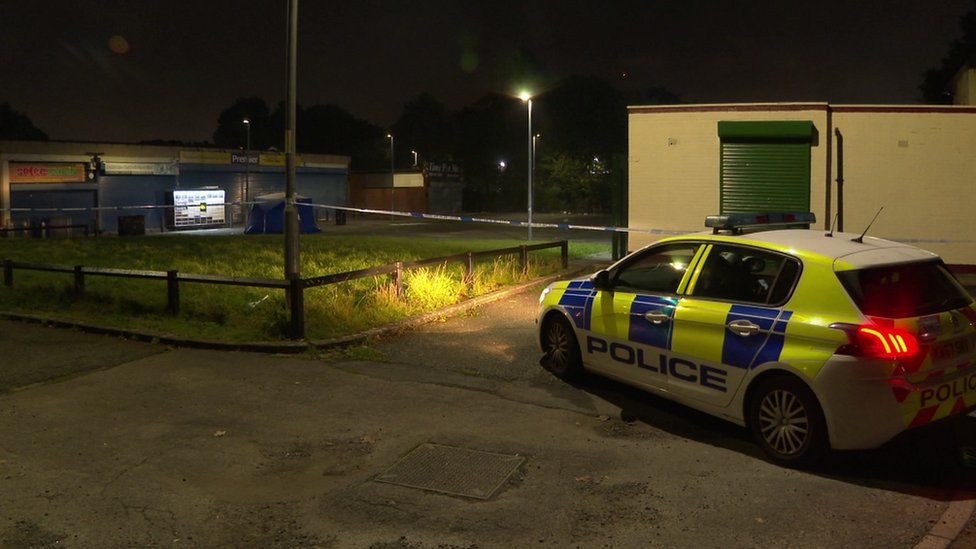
pixel 252 314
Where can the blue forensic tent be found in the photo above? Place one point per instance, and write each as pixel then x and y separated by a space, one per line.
pixel 268 215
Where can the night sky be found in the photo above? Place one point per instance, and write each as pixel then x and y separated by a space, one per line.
pixel 178 63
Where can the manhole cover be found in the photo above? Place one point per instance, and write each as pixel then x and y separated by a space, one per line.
pixel 450 470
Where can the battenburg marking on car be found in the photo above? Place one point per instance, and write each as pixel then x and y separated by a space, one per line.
pixel 578 302
pixel 678 368
pixel 649 333
pixel 749 352
pixel 925 405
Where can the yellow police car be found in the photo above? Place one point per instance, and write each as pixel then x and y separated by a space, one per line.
pixel 813 340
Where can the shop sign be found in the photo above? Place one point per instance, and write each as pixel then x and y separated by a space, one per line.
pixel 48 172
pixel 278 159
pixel 204 157
pixel 140 168
pixel 243 158
pixel 444 171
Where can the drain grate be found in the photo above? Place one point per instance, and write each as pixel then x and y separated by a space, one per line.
pixel 454 471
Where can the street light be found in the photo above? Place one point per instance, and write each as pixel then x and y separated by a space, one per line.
pixel 535 139
pixel 526 97
pixel 247 171
pixel 392 179
pixel 414 153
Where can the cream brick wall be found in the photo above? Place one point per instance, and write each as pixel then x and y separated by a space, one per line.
pixel 673 164
pixel 918 162
pixel 921 166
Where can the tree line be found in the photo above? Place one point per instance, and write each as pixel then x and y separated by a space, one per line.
pixel 581 123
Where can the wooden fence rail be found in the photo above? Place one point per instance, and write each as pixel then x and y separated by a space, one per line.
pixel 294 289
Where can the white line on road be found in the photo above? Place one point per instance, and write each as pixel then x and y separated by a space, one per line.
pixel 949 525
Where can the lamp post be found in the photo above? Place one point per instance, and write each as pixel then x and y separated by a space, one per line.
pixel 414 153
pixel 392 180
pixel 535 139
pixel 247 171
pixel 292 246
pixel 527 98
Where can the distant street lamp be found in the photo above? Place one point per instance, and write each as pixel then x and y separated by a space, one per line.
pixel 535 139
pixel 247 170
pixel 527 98
pixel 502 165
pixel 414 153
pixel 392 179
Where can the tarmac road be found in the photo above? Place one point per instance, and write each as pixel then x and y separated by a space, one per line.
pixel 142 445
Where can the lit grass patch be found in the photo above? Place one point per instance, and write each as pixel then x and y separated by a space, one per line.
pixel 250 314
pixel 433 288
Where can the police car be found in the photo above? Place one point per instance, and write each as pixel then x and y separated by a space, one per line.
pixel 813 340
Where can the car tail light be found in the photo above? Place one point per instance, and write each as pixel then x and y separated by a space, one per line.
pixel 883 342
pixel 871 340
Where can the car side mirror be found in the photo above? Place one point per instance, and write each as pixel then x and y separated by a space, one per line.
pixel 601 280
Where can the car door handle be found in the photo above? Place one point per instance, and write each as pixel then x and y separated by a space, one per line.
pixel 655 317
pixel 743 328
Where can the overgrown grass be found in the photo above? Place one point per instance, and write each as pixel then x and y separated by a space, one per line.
pixel 241 314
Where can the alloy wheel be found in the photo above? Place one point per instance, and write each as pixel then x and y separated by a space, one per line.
pixel 784 422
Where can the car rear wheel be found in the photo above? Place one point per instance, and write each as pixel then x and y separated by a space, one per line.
pixel 562 353
pixel 787 422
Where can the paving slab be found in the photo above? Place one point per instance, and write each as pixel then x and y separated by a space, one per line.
pixel 36 354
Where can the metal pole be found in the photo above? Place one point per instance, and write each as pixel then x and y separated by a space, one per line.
pixel 247 176
pixel 840 180
pixel 392 181
pixel 292 245
pixel 531 160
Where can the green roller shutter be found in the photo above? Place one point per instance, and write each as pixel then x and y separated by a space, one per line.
pixel 765 166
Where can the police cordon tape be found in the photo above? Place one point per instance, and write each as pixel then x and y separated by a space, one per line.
pixel 415 215
pixel 512 222
pixel 441 217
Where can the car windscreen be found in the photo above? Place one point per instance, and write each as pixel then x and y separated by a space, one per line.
pixel 904 290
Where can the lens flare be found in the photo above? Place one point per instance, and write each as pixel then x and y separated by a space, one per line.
pixel 118 44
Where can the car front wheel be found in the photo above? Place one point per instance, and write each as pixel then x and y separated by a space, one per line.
pixel 562 352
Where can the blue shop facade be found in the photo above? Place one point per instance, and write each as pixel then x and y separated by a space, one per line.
pixel 105 187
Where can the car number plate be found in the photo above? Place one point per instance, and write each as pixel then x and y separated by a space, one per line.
pixel 954 348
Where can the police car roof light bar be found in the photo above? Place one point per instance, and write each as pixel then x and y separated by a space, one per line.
pixel 735 222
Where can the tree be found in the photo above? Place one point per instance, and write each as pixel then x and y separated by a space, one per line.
pixel 483 134
pixel 15 125
pixel 936 82
pixel 423 126
pixel 231 132
pixel 330 129
pixel 324 129
pixel 570 183
pixel 584 116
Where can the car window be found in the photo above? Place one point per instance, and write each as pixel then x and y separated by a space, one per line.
pixel 658 270
pixel 746 275
pixel 905 290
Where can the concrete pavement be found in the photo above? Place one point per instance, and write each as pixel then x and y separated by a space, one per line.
pixel 185 448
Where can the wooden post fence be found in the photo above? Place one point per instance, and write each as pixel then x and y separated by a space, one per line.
pixel 294 288
pixel 173 292
pixel 79 280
